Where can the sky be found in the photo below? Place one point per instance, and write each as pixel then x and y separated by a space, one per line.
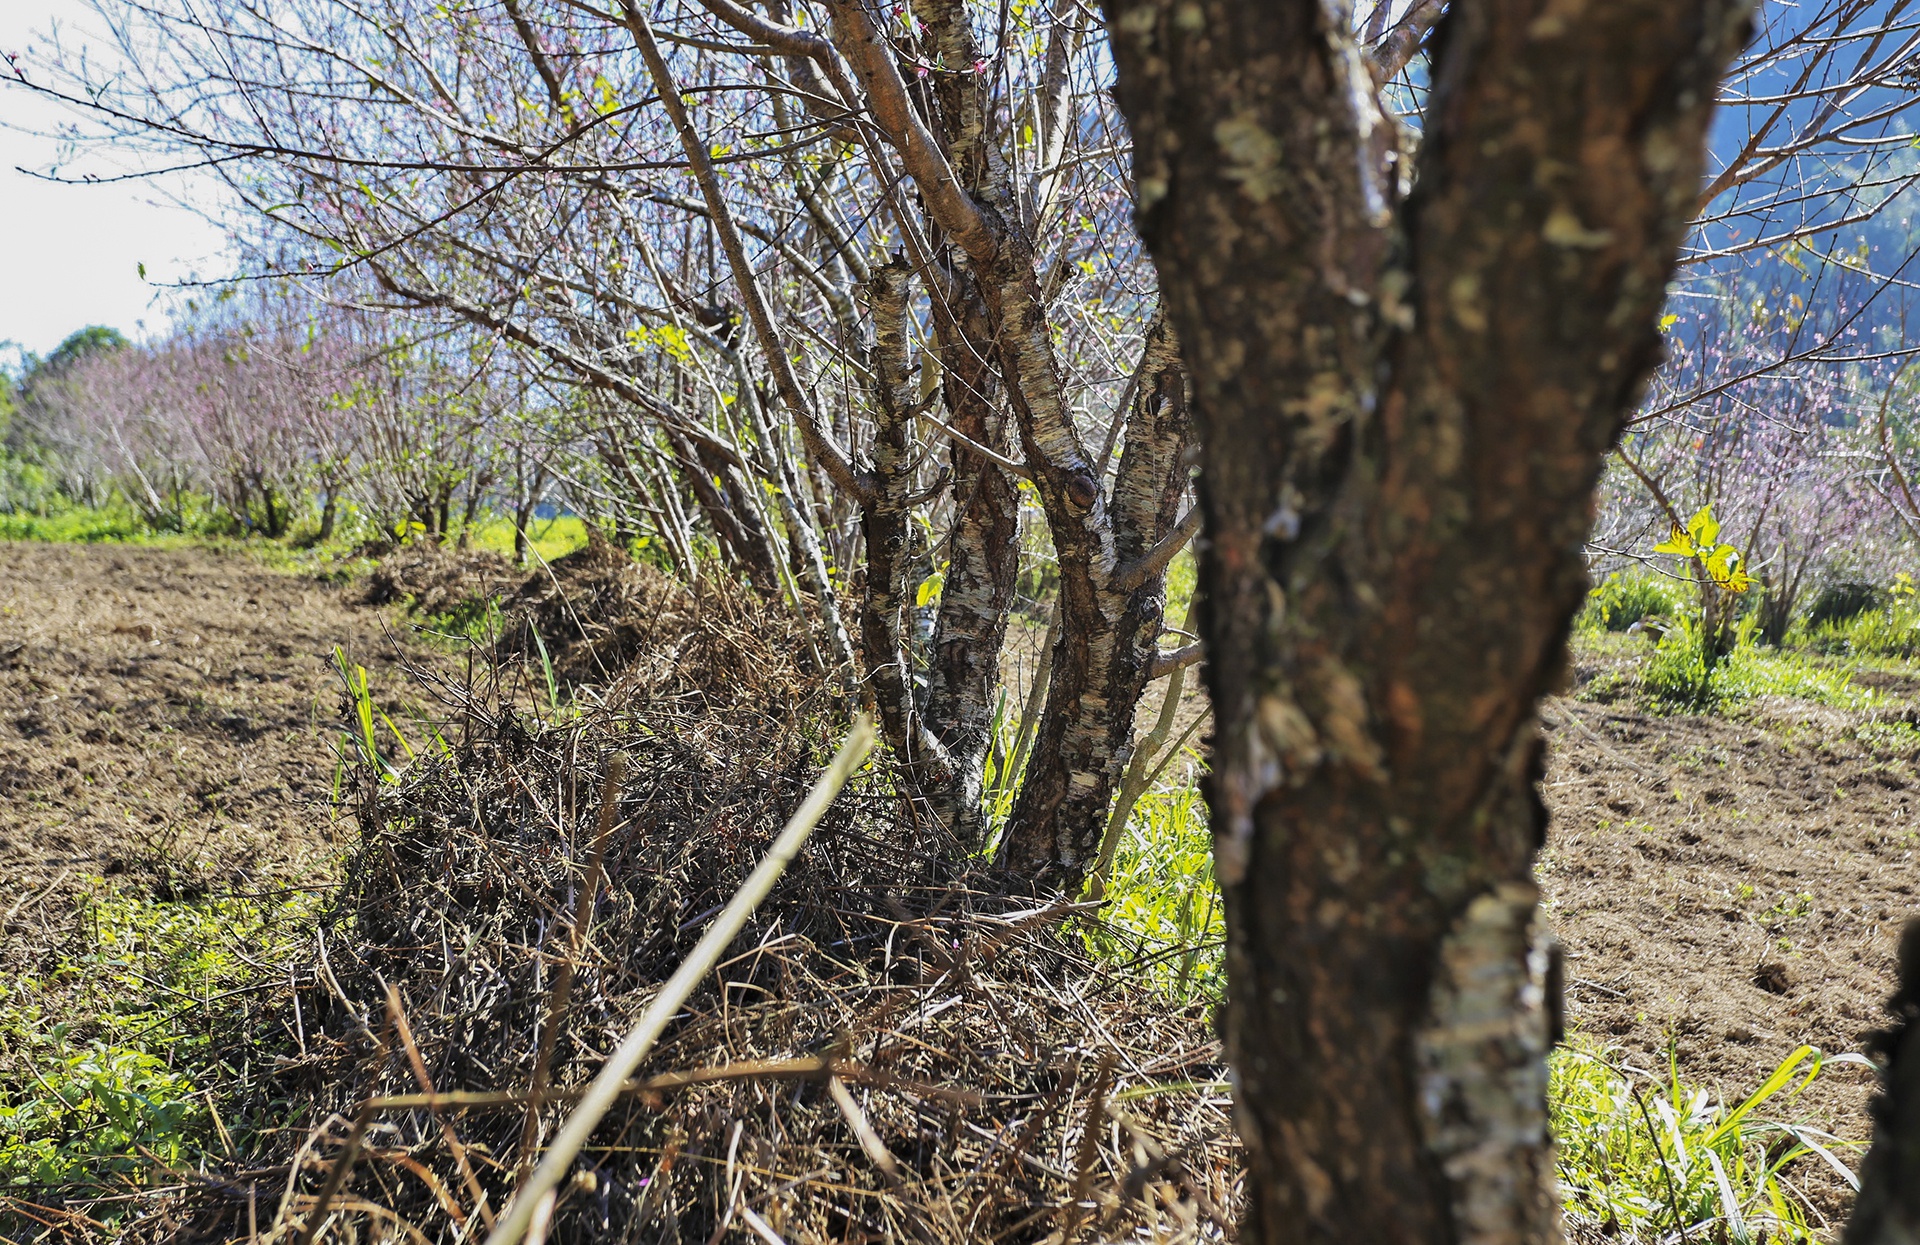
pixel 70 256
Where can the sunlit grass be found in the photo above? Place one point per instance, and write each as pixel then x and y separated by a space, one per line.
pixel 1649 1159
pixel 549 538
pixel 1750 671
pixel 1162 914
pixel 117 523
pixel 1891 630
pixel 108 1053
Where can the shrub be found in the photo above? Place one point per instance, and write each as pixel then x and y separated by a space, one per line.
pixel 1623 600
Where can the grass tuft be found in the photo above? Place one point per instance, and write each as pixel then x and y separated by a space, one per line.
pixel 1645 1160
pixel 1162 907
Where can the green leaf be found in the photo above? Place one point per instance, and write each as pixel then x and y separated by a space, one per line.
pixel 1774 1084
pixel 930 589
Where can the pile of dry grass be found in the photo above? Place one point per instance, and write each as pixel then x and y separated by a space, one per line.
pixel 433 579
pixel 604 619
pixel 894 1048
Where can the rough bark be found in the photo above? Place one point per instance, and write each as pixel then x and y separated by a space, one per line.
pixel 886 523
pixel 1111 624
pixel 1402 409
pixel 983 564
pixel 1888 1209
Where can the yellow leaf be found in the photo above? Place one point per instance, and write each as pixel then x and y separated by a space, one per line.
pixel 1704 528
pixel 1679 543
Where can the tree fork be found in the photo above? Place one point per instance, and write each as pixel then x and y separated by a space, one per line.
pixel 1104 658
pixel 1402 409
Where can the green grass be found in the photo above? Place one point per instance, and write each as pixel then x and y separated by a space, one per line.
pixel 1641 1158
pixel 204 528
pixel 550 538
pixel 1183 577
pixel 117 523
pixel 1674 676
pixel 1162 913
pixel 108 1063
pixel 1749 672
pixel 1890 631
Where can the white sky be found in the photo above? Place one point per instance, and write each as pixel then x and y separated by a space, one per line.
pixel 71 254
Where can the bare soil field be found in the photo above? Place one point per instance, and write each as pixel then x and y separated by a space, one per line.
pixel 166 712
pixel 1727 888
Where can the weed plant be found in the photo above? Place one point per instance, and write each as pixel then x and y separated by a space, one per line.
pixel 118 1088
pixel 1647 1160
pixel 1162 912
pixel 1623 599
pixel 1680 673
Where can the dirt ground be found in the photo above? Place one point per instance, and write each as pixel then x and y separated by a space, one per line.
pixel 1732 888
pixel 1726 887
pixel 165 713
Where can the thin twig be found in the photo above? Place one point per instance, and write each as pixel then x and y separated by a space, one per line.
pixel 1673 1196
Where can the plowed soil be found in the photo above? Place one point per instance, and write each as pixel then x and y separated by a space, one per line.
pixel 165 713
pixel 1728 888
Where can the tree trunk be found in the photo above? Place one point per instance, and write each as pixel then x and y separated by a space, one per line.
pixel 1888 1209
pixel 886 523
pixel 737 530
pixel 983 564
pixel 471 510
pixel 1403 409
pixel 1104 658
